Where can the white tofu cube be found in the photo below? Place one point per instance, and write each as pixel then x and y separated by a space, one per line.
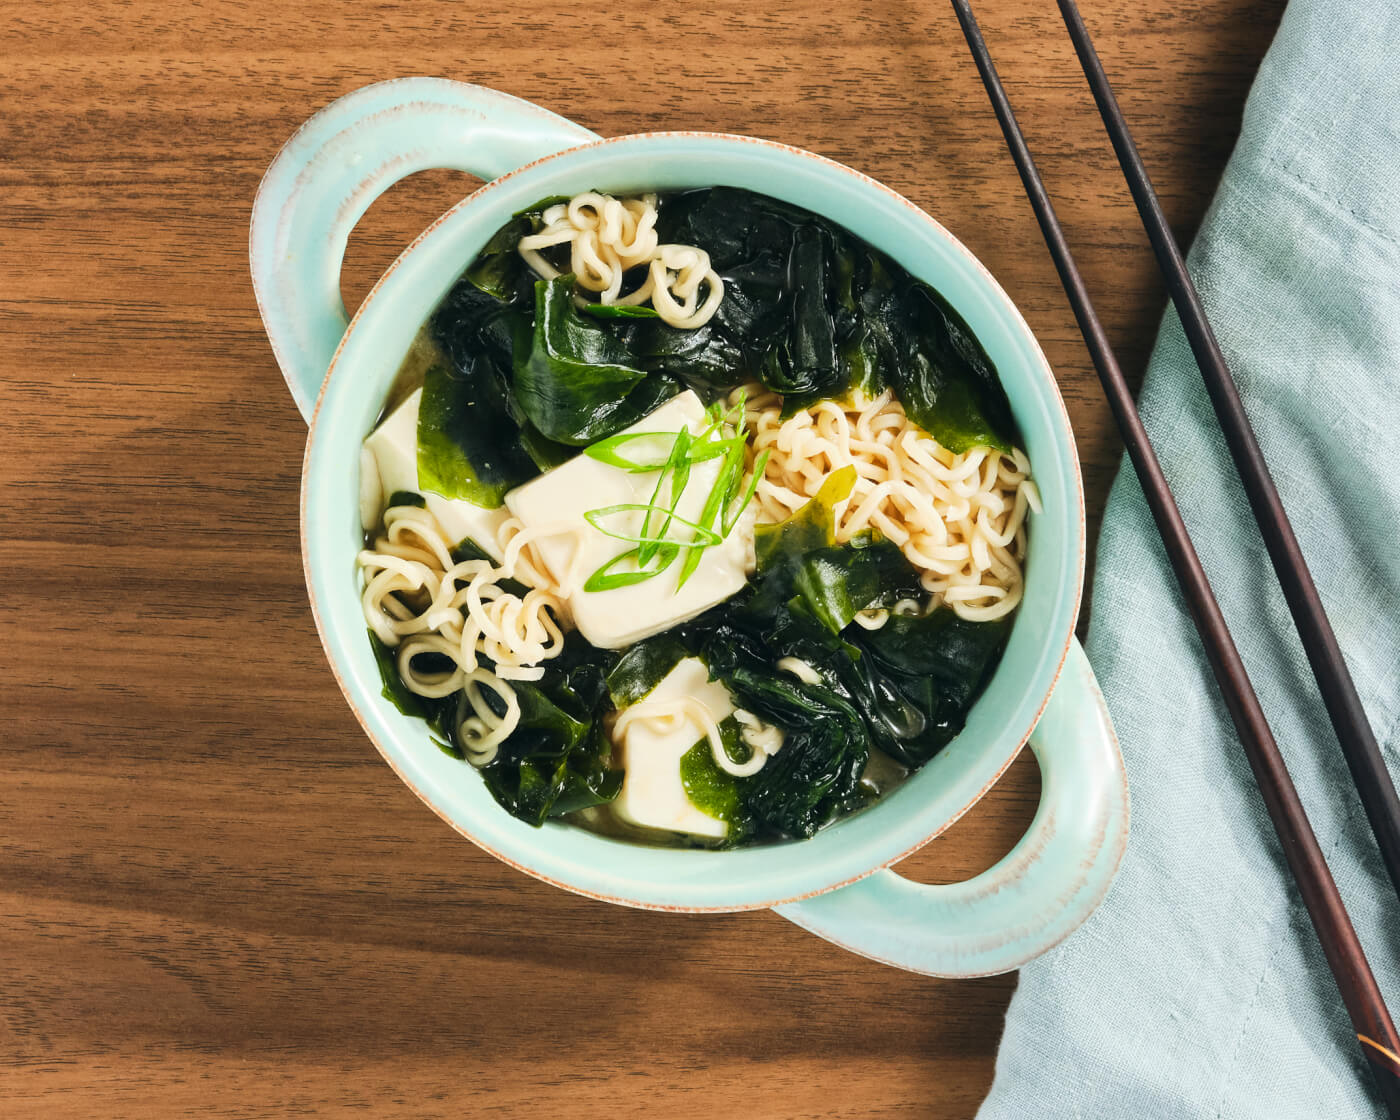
pixel 619 617
pixel 394 448
pixel 394 445
pixel 650 751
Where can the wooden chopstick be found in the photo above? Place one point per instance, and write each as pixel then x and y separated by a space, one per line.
pixel 1371 1020
pixel 1363 755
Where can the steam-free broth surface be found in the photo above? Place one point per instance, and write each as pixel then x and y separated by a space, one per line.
pixel 691 519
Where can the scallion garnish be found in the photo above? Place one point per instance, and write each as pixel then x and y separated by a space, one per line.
pixel 732 517
pixel 715 448
pixel 703 536
pixel 677 468
pixel 672 455
pixel 646 451
pixel 605 579
pixel 714 503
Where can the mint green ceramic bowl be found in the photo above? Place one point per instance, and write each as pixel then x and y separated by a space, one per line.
pixel 319 186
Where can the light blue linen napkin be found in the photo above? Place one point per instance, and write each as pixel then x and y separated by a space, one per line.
pixel 1198 988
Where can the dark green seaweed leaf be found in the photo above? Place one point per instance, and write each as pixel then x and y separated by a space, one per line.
pixel 712 790
pixel 872 339
pixel 532 770
pixel 705 359
pixel 499 270
pixel 945 380
pixel 468 549
pixel 575 384
pixel 815 312
pixel 811 368
pixel 469 443
pixel 395 691
pixel 816 774
pixel 619 311
pixel 467 446
pixel 810 527
pixel 480 333
pixel 935 665
pixel 545 453
pixel 439 714
pixel 642 666
pixel 558 759
pixel 835 584
pixel 952 652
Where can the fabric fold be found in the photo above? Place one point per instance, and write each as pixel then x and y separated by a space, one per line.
pixel 1198 988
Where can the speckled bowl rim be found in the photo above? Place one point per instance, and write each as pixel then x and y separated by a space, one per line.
pixel 508 852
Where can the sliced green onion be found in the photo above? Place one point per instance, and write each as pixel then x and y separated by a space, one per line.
pixel 707 515
pixel 716 501
pixel 656 549
pixel 620 311
pixel 716 420
pixel 734 415
pixel 605 579
pixel 678 470
pixel 715 448
pixel 703 534
pixel 732 517
pixel 608 451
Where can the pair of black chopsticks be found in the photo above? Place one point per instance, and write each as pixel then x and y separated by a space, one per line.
pixel 1374 1030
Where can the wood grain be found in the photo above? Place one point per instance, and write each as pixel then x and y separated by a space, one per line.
pixel 214 898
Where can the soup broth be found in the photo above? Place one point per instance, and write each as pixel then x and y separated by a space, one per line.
pixel 691 519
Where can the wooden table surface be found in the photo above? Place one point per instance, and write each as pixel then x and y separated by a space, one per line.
pixel 214 897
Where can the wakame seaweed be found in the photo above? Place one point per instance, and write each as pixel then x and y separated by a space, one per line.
pixel 558 758
pixel 809 310
pixel 814 311
pixel 438 713
pixel 528 371
pixel 469 436
pixel 642 667
pixel 575 383
pixel 904 689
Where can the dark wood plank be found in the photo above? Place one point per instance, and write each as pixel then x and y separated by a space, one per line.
pixel 214 898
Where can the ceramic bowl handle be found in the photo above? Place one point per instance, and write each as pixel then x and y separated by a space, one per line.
pixel 339 162
pixel 1035 897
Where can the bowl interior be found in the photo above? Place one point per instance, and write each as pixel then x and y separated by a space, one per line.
pixel 655 877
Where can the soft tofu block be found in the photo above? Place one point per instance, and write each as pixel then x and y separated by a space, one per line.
pixel 394 445
pixel 394 448
pixel 559 499
pixel 652 794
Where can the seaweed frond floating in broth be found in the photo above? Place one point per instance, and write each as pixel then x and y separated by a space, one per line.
pixel 703 522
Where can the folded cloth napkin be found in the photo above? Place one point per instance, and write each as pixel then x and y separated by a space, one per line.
pixel 1198 988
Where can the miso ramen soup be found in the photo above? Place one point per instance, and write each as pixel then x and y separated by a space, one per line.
pixel 692 519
